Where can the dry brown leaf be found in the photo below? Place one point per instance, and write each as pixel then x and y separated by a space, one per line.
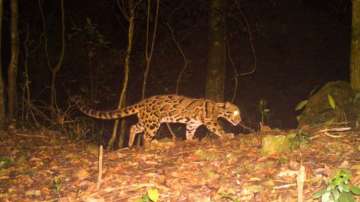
pixel 82 173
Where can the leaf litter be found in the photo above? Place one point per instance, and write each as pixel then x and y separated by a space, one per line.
pixel 47 166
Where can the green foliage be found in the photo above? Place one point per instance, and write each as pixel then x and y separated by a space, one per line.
pixel 152 195
pixel 5 162
pixel 339 189
pixel 264 110
pixel 332 102
pixel 298 139
pixel 301 105
pixel 57 184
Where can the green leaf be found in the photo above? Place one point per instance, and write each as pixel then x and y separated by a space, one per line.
pixel 319 194
pixel 355 190
pixel 345 188
pixel 144 198
pixel 153 194
pixel 5 162
pixel 346 174
pixel 331 101
pixel 301 105
pixel 346 197
pixel 338 189
pixel 335 194
pixel 326 197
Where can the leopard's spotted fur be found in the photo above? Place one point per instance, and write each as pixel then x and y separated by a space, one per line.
pixel 153 111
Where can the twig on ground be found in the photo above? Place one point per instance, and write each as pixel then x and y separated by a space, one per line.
pixel 100 167
pixel 30 136
pixel 285 186
pixel 328 130
pixel 335 129
pixel 300 179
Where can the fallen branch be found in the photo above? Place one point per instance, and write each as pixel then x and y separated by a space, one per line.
pixel 300 179
pixel 285 186
pixel 335 129
pixel 100 167
pixel 30 136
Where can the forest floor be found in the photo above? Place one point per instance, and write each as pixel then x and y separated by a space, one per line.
pixel 46 166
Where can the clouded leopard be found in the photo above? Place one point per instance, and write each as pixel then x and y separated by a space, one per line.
pixel 153 111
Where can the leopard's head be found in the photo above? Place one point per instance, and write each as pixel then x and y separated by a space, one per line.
pixel 230 112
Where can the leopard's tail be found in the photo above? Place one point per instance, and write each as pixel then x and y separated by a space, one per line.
pixel 106 114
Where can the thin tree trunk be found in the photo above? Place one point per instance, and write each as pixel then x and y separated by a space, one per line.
pixel 122 99
pixel 13 66
pixel 217 51
pixel 355 46
pixel 149 48
pixel 26 93
pixel 58 65
pixel 2 96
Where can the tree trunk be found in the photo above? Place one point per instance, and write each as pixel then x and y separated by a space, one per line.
pixel 149 47
pixel 149 43
pixel 13 66
pixel 217 52
pixel 58 65
pixel 355 46
pixel 2 96
pixel 122 98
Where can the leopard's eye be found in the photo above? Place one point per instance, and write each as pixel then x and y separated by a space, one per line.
pixel 236 113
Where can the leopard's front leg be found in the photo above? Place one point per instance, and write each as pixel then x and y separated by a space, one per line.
pixel 215 128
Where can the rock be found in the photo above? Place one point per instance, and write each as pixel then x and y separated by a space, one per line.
pixel 274 144
pixel 318 109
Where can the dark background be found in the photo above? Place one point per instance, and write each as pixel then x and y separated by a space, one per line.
pixel 300 45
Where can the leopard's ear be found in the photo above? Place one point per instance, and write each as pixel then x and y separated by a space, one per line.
pixel 227 104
